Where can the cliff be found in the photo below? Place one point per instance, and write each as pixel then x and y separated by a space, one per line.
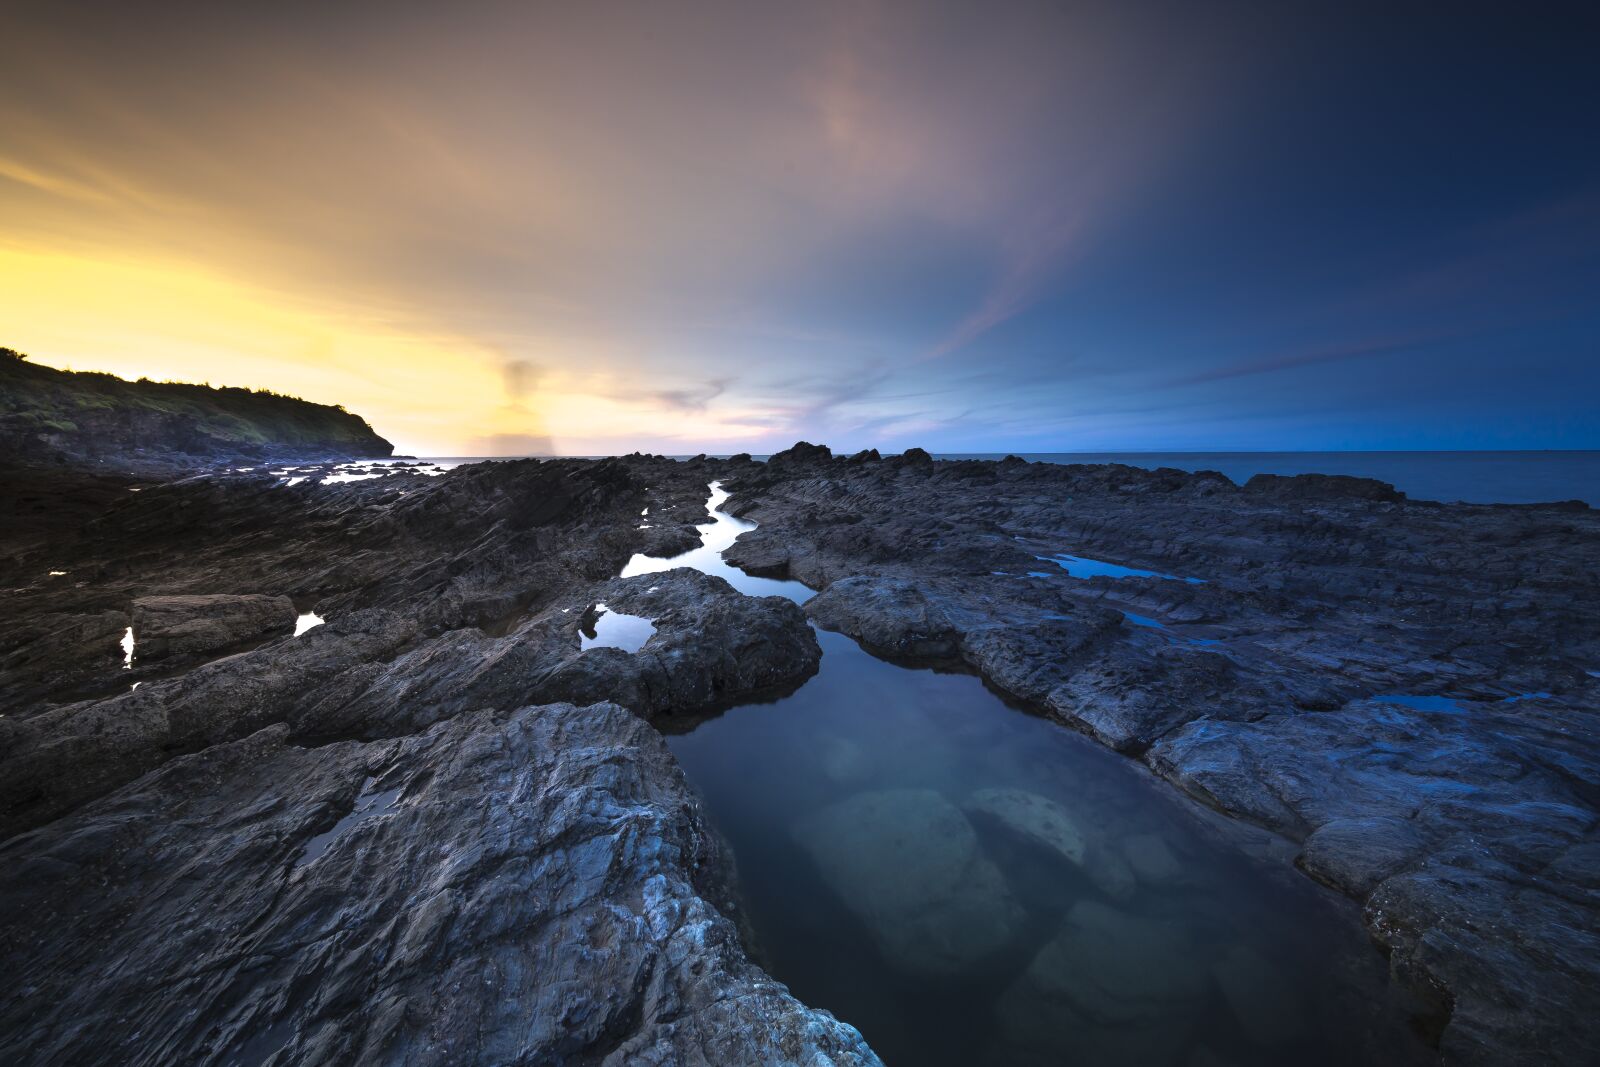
pixel 49 415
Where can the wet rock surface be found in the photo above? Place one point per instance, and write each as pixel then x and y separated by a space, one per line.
pixel 433 829
pixel 535 887
pixel 1250 668
pixel 454 606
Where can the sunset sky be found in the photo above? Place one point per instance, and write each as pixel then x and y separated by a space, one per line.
pixel 597 227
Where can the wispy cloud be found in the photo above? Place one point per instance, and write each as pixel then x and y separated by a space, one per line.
pixel 1282 361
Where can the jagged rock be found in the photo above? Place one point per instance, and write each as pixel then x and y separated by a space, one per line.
pixel 535 887
pixel 1469 832
pixel 890 616
pixel 1356 854
pixel 907 862
pixel 170 625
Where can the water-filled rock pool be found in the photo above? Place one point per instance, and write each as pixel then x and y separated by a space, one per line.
pixel 967 883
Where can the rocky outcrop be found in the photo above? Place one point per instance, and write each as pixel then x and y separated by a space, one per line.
pixel 168 625
pixel 526 887
pixel 222 784
pixel 388 839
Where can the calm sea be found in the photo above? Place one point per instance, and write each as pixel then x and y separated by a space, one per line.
pixel 1476 477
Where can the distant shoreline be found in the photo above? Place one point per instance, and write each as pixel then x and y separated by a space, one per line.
pixel 1512 476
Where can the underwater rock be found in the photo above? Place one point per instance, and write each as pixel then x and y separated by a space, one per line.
pixel 1031 819
pixel 1124 989
pixel 1152 861
pixel 1259 997
pixel 842 760
pixel 907 863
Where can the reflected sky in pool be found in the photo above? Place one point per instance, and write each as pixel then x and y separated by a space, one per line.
pixel 1083 567
pixel 604 628
pixel 1118 925
pixel 970 884
pixel 715 536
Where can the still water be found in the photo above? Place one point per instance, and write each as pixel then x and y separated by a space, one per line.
pixel 970 884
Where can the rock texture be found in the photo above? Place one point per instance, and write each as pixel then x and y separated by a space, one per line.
pixel 164 625
pixel 1405 689
pixel 434 829
pixel 534 887
pixel 1280 685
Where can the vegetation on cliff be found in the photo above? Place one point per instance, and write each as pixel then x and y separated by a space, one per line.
pixel 44 411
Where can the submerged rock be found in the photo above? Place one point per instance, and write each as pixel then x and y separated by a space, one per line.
pixel 1035 821
pixel 907 863
pixel 1260 999
pixel 1110 988
pixel 1152 861
pixel 1467 826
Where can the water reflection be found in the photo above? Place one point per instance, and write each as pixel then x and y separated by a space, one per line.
pixel 715 537
pixel 603 628
pixel 967 884
pixel 1084 567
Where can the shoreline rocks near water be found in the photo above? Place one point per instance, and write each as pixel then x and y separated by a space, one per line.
pixel 560 896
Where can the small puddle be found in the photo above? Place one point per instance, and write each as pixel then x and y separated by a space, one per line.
pixel 1083 567
pixel 1420 703
pixel 367 805
pixel 306 621
pixel 603 628
pixel 1147 622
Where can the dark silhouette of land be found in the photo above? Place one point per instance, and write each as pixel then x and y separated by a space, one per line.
pixel 96 419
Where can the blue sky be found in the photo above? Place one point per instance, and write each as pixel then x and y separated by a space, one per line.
pixel 723 227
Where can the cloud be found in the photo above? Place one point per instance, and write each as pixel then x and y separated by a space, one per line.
pixel 689 399
pixel 1282 361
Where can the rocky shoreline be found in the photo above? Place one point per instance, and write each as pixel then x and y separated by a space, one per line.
pixel 517 871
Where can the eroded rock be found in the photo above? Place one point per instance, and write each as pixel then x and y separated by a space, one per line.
pixel 538 887
pixel 171 625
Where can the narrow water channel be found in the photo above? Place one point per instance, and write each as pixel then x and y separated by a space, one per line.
pixel 969 884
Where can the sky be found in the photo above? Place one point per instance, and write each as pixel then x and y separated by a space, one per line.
pixel 700 226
